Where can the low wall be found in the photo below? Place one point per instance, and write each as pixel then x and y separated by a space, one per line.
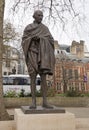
pixel 70 101
pixel 58 101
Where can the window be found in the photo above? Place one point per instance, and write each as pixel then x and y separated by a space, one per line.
pixel 82 87
pixel 5 73
pixel 70 73
pixel 65 72
pixel 76 74
pixel 19 81
pixel 5 80
pixel 78 49
pixel 77 86
pixel 9 73
pixel 7 63
pixel 57 51
pixel 49 83
pixel 58 86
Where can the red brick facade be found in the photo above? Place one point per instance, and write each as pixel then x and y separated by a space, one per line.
pixel 72 72
pixel 69 74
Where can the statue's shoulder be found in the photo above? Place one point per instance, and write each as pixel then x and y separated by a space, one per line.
pixel 29 27
pixel 44 25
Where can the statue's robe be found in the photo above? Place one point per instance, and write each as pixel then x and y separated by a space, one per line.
pixel 39 55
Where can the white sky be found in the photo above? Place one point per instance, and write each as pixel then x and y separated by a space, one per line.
pixel 73 30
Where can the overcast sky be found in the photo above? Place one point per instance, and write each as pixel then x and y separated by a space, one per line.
pixel 73 30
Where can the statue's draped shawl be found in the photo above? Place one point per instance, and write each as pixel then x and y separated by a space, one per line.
pixel 43 50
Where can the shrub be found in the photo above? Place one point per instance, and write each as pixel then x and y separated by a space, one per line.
pixel 51 92
pixel 61 94
pixel 86 94
pixel 38 93
pixel 28 95
pixel 72 93
pixel 11 93
pixel 22 93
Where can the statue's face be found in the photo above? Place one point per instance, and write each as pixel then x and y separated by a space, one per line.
pixel 38 16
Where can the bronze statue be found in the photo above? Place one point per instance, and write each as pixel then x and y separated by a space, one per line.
pixel 38 47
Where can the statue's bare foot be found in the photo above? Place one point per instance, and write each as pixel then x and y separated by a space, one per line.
pixel 47 106
pixel 33 106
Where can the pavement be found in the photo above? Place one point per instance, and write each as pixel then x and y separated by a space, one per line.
pixel 80 112
pixel 81 115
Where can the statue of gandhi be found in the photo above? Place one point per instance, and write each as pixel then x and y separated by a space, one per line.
pixel 38 47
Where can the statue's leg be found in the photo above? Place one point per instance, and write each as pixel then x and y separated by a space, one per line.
pixel 33 90
pixel 44 91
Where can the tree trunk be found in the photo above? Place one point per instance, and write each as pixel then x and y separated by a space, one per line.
pixel 64 80
pixel 3 113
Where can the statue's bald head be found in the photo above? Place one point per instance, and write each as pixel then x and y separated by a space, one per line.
pixel 37 12
pixel 38 16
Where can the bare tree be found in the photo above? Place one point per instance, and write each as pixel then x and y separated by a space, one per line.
pixel 3 113
pixel 9 33
pixel 58 11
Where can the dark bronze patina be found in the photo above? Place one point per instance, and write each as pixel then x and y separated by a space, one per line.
pixel 38 47
pixel 41 110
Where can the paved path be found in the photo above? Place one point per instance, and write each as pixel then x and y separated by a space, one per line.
pixel 81 114
pixel 82 117
pixel 82 123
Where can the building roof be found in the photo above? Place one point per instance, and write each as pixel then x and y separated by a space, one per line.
pixel 63 54
pixel 84 60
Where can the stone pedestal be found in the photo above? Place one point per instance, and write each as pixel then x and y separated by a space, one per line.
pixel 7 125
pixel 55 121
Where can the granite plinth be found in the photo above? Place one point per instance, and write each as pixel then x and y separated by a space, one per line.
pixel 42 110
pixel 55 121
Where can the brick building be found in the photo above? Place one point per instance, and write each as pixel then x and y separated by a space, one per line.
pixel 71 68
